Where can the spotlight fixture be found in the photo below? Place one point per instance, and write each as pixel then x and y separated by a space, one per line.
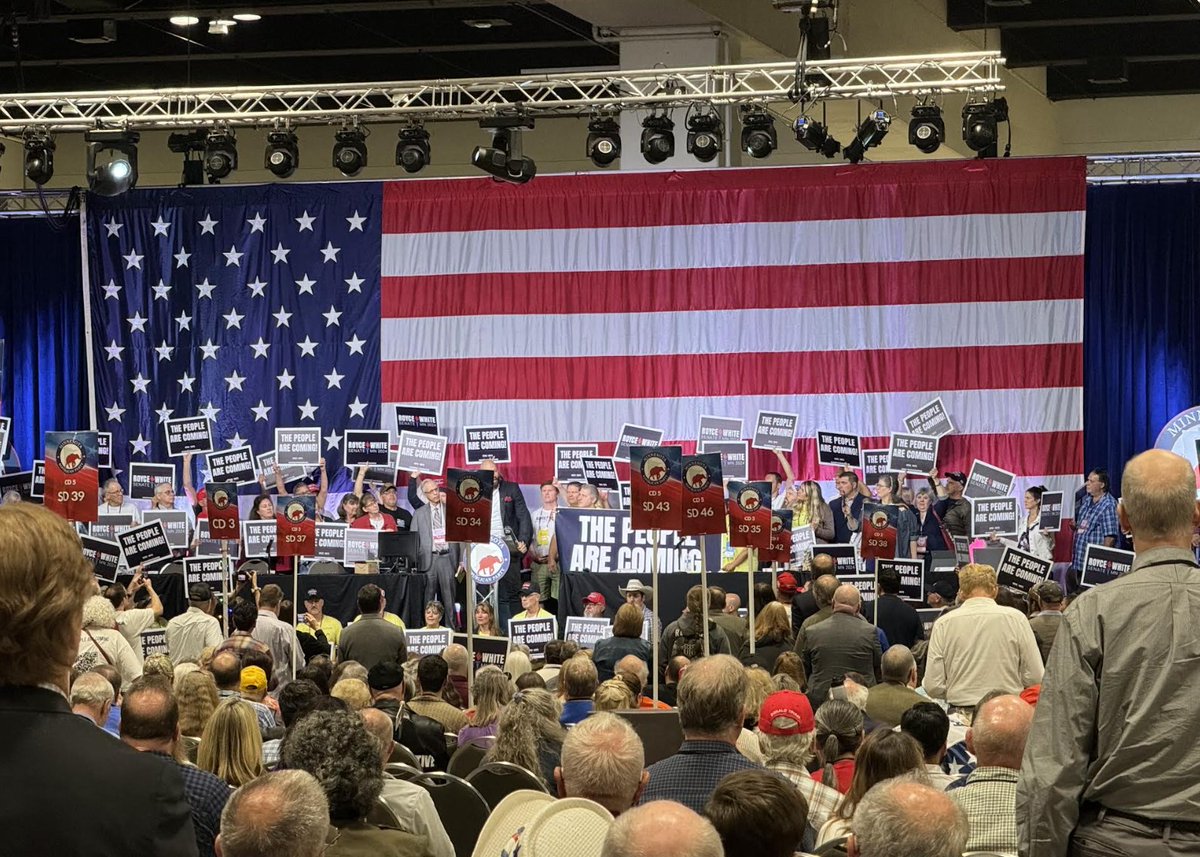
pixel 604 141
pixel 282 154
pixel 39 158
pixel 350 150
pixel 814 136
pixel 244 17
pixel 112 164
pixel 926 128
pixel 704 136
pixel 412 149
pixel 184 20
pixel 658 138
pixel 980 125
pixel 503 160
pixel 220 154
pixel 758 132
pixel 869 134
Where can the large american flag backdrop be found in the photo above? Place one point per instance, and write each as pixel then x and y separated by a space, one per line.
pixel 574 304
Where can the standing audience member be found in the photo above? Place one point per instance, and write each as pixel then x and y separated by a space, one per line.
pixel 278 815
pixel 839 734
pixel 903 817
pixel 772 636
pixel 1046 600
pixel 953 510
pixel 457 663
pixel 843 643
pixel 372 639
pixel 196 694
pixel 439 558
pixel 92 698
pixel 492 692
pixel 997 740
pixel 685 636
pixel 881 756
pixel 1095 520
pixel 928 724
pixel 231 746
pixel 735 627
pixel 896 617
pixel 603 760
pixel 888 489
pixel 668 690
pixel 662 829
pixel 823 587
pixel 578 682
pixel 279 637
pixel 196 629
pixel 101 643
pixel 626 639
pixel 787 735
pixel 846 508
pixel 888 700
pixel 296 699
pixel 244 618
pixel 113 725
pixel 432 672
pixel 131 620
pixel 530 735
pixel 758 814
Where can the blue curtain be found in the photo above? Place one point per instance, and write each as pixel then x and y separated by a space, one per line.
pixel 41 325
pixel 1141 362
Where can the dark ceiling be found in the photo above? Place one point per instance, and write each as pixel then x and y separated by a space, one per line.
pixel 1154 44
pixel 293 43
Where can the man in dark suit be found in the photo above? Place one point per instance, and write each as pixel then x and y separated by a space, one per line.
pixel 57 766
pixel 843 643
pixel 439 559
pixel 897 618
pixel 846 507
pixel 517 532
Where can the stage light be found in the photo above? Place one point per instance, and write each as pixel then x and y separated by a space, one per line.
pixel 39 158
pixel 869 134
pixel 503 160
pixel 412 149
pixel 282 154
pixel 704 136
pixel 350 151
pixel 184 20
pixel 112 163
pixel 758 132
pixel 245 17
pixel 926 128
pixel 814 136
pixel 220 154
pixel 658 138
pixel 980 127
pixel 603 141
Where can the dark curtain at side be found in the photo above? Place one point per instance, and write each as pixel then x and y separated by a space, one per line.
pixel 1141 359
pixel 41 324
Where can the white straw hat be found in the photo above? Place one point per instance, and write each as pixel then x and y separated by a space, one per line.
pixel 528 823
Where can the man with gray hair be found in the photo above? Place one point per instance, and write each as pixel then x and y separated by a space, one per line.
pixel 92 697
pixel 787 737
pixel 439 558
pixel 603 761
pixel 1112 756
pixel 284 814
pixel 843 643
pixel 901 817
pixel 712 696
pixel 888 700
pixel 663 829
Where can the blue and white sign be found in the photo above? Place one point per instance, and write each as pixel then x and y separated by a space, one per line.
pixel 489 560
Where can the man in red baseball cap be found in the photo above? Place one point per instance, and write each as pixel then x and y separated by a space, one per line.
pixel 594 605
pixel 787 735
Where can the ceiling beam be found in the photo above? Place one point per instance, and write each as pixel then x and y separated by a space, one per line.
pixel 1047 46
pixel 141 13
pixel 976 14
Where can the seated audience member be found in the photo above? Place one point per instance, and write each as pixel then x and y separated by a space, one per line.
pixel 531 602
pixel 318 670
pixel 347 669
pixel 929 725
pixel 1046 601
pixel 455 656
pixel 553 657
pixel 434 614
pixel 101 643
pixel 226 669
pixel 314 619
pixel 626 640
pixel 529 681
pixel 112 726
pixel 517 664
pixel 603 760
pixel 895 616
pixel 685 636
pixel 485 620
pixel 159 665
pixel 791 665
pixel 662 828
pixel 578 683
pixel 352 691
pixel 530 735
pixel 881 756
pixel 888 700
pixel 843 643
pixel 284 814
pixel 245 619
pixel 432 672
pixel 296 699
pixel 92 697
pixel 787 735
pixel 712 697
pixel 758 814
pixel 492 693
pixel 997 739
pixel 196 694
pixel 772 637
pixel 424 736
pixel 669 688
pixel 734 626
pixel 335 747
pixel 412 804
pixel 68 788
pixel 636 673
pixel 150 723
pixel 231 746
pixel 372 639
pixel 839 734
pixel 594 605
pixel 613 695
pixel 194 630
pixel 902 817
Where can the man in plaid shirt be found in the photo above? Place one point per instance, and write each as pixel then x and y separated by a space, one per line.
pixel 1095 519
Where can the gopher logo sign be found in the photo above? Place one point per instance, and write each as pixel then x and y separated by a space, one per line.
pixel 655 469
pixel 294 512
pixel 469 490
pixel 70 457
pixel 748 501
pixel 697 478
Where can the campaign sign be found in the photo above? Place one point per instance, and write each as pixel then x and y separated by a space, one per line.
pixel 912 576
pixel 717 429
pixel 486 442
pixel 775 430
pixel 366 447
pixel 631 435
pixel 488 650
pixel 37 480
pixel 1052 507
pixel 864 583
pixel 930 420
pixel 206 545
pixel 469 505
pixel 421 453
pixel 655 487
pixel 258 538
pixel 626 495
pixel 204 569
pixel 928 615
pixel 296 525
pixel 1021 570
pixel 384 474
pixel 221 506
pixel 490 560
pixel 604 540
pixel 18 481
pixel 750 515
pixel 1102 564
pixel 845 558
pixel 993 515
pixel 912 453
pixel 287 472
pixel 568 460
pixel 703 495
pixel 331 541
pixel 108 526
pixel 361 546
pixel 175 523
pixel 534 633
pixel 154 642
pixel 874 465
pixel 188 434
pixel 839 449
pixel 962 549
pixel 419 418
pixel 735 457
pixel 103 449
pixel 145 544
pixel 144 478
pixel 601 472
pixel 72 474
pixel 232 465
pixel 879 531
pixel 5 432
pixel 984 480
pixel 427 641
pixel 803 541
pixel 103 554
pixel 781 537
pixel 587 631
pixel 298 446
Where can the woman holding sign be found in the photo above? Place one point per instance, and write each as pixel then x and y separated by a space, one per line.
pixel 906 523
pixel 1030 536
pixel 809 509
pixel 930 536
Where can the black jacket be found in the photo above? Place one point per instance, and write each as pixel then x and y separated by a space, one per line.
pixel 899 621
pixel 842 532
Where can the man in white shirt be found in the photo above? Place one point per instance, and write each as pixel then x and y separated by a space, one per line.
pixel 544 569
pixel 279 637
pixel 113 502
pixel 190 633
pixel 131 621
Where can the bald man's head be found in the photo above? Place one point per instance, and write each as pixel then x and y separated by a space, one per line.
pixel 380 726
pixel 999 730
pixel 823 589
pixel 847 597
pixel 662 828
pixel 821 564
pixel 904 816
pixel 1158 498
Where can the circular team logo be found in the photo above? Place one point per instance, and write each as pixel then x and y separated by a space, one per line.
pixel 469 490
pixel 747 499
pixel 221 499
pixel 1181 435
pixel 879 520
pixel 655 469
pixel 489 560
pixel 70 456
pixel 294 512
pixel 776 525
pixel 697 478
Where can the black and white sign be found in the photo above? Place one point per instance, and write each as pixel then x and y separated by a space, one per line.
pixel 144 478
pixel 735 457
pixel 110 526
pixel 488 650
pixel 1102 564
pixel 154 642
pixel 103 449
pixel 145 544
pixel 258 538
pixel 1052 508
pixel 37 484
pixel 298 446
pixel 568 460
pixel 422 419
pixel 603 540
pixel 421 453
pixel 175 523
pixel 874 465
pixel 206 545
pixel 534 633
pixel 912 576
pixel 287 472
pixel 587 631
pixel 19 481
pixel 864 583
pixel 188 434
pixel 984 480
pixel 775 430
pixel 366 447
pixel 631 435
pixel 331 541
pixel 837 449
pixel 601 472
pixel 717 429
pixel 845 557
pixel 486 442
pixel 931 420
pixel 103 554
pixel 993 515
pixel 626 494
pixel 962 549
pixel 427 641
pixel 5 433
pixel 928 615
pixel 232 465
pixel 1021 570
pixel 803 540
pixel 361 546
pixel 203 569
pixel 912 453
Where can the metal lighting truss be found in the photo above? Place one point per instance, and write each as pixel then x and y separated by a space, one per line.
pixel 543 94
pixel 1154 167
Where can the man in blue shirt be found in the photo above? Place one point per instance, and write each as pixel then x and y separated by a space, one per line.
pixel 1095 519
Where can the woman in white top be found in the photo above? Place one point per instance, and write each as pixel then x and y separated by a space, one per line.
pixel 1030 536
pixel 101 643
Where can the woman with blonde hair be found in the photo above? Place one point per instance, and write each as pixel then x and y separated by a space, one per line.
pixel 613 695
pixel 772 637
pixel 530 735
pixel 101 643
pixel 493 691
pixel 810 509
pixel 758 687
pixel 516 664
pixel 354 692
pixel 196 693
pixel 231 745
pixel 485 620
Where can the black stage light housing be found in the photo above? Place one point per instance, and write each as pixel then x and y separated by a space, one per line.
pixel 112 162
pixel 868 135
pixel 658 138
pixel 759 138
pixel 604 141
pixel 350 151
pixel 282 153
pixel 503 160
pixel 926 128
pixel 814 136
pixel 704 136
pixel 412 149
pixel 39 158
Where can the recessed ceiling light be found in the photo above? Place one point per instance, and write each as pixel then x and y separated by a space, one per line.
pixel 247 16
pixel 184 20
pixel 486 23
pixel 224 22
